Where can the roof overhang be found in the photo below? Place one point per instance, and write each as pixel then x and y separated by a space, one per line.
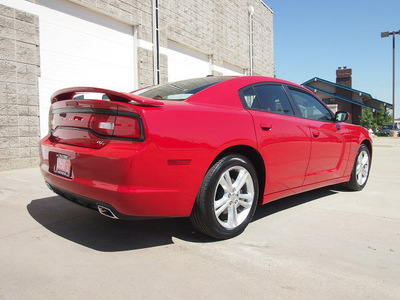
pixel 345 87
pixel 339 97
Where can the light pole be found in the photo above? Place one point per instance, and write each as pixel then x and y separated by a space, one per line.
pixel 383 35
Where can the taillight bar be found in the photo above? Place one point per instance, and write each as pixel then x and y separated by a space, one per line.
pixel 127 127
pixel 103 123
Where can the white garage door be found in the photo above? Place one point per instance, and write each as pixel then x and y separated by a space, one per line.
pixel 230 69
pixel 79 47
pixel 184 63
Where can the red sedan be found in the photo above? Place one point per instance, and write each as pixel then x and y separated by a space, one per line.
pixel 211 149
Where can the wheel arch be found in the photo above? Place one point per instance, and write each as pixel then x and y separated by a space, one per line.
pixel 367 143
pixel 256 159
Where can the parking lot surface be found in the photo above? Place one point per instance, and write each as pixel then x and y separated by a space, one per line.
pixel 325 244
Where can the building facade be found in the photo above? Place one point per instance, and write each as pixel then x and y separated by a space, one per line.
pixel 123 45
pixel 340 96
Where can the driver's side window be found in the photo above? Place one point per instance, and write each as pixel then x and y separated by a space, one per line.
pixel 310 107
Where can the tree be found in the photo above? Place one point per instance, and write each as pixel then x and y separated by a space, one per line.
pixel 383 117
pixel 369 121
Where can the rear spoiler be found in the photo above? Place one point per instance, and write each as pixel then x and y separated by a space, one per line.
pixel 68 94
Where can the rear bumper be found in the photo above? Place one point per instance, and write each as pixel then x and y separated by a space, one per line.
pixel 133 179
pixel 89 203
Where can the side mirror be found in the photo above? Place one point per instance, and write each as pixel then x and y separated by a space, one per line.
pixel 342 116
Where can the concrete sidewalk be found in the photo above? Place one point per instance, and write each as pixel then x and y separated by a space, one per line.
pixel 325 244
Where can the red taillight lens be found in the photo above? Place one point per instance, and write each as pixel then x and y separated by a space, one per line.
pixel 102 124
pixel 127 127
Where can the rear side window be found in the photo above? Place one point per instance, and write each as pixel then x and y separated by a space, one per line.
pixel 268 97
pixel 273 99
pixel 251 99
pixel 310 107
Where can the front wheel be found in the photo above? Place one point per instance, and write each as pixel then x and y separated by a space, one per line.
pixel 360 173
pixel 227 198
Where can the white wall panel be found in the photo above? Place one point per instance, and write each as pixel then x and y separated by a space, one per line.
pixel 230 69
pixel 184 63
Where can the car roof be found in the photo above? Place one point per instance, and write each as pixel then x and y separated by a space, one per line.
pixel 224 92
pixel 258 79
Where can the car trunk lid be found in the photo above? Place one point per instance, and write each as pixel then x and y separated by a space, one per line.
pixel 94 123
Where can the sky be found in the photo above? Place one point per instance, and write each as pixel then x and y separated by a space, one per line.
pixel 313 38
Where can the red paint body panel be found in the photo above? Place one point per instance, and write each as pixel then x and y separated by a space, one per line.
pixel 285 148
pixel 329 151
pixel 159 175
pixel 134 177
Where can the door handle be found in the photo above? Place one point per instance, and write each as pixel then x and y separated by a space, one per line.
pixel 266 127
pixel 316 133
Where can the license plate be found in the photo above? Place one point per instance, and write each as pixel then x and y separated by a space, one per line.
pixel 63 165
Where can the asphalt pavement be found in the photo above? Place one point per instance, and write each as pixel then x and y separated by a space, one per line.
pixel 325 244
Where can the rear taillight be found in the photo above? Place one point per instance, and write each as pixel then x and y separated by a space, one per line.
pixel 102 124
pixel 127 127
pixel 120 126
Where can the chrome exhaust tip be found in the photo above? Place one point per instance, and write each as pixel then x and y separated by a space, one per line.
pixel 106 212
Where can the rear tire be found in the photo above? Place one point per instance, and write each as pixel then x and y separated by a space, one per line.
pixel 227 198
pixel 360 173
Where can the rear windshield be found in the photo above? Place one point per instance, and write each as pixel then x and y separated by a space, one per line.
pixel 179 90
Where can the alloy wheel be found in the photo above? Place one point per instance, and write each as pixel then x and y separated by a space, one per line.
pixel 362 168
pixel 234 196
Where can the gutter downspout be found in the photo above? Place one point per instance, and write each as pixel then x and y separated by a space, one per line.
pixel 251 38
pixel 156 43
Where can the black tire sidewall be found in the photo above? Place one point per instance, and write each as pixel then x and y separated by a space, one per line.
pixel 208 192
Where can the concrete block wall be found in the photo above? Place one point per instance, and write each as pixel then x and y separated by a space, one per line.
pixel 221 29
pixel 263 40
pixel 19 101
